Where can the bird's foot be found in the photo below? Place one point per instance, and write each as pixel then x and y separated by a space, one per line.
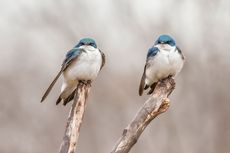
pixel 168 77
pixel 89 82
pixel 85 82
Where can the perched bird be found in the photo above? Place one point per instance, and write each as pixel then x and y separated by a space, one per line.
pixel 164 59
pixel 82 63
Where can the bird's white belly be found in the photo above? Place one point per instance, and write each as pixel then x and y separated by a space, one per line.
pixel 162 65
pixel 85 67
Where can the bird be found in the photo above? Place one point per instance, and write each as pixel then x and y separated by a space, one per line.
pixel 81 64
pixel 164 59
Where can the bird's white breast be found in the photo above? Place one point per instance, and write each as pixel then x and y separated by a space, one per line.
pixel 85 67
pixel 163 64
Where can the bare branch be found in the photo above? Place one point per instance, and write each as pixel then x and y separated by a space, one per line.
pixel 76 114
pixel 158 103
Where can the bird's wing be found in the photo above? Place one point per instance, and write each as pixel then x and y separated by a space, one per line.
pixel 180 52
pixel 151 53
pixel 103 59
pixel 70 56
pixel 142 83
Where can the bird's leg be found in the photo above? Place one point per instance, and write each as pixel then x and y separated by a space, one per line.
pixel 86 82
pixel 170 76
pixel 89 82
pixel 83 82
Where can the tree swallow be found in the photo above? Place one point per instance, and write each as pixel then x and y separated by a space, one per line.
pixel 164 59
pixel 81 64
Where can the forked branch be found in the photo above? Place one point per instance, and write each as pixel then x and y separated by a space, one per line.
pixel 158 103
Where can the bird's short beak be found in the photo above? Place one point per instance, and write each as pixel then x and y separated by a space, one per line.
pixel 162 44
pixel 85 45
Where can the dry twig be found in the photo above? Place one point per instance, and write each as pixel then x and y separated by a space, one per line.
pixel 158 103
pixel 76 114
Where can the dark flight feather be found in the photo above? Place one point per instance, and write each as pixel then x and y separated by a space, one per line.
pixel 69 98
pixel 51 85
pixel 103 59
pixel 142 83
pixel 180 52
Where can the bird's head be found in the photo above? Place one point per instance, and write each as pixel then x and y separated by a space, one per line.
pixel 165 42
pixel 87 42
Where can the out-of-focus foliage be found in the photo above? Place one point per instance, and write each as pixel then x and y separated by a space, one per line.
pixel 35 35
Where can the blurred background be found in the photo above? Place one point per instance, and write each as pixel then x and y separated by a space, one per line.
pixel 35 36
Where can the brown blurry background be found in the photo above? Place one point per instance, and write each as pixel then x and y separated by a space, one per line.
pixel 35 36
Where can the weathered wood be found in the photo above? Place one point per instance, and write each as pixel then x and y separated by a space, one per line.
pixel 158 103
pixel 70 139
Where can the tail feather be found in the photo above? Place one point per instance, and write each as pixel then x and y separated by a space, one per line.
pixel 51 86
pixel 66 100
pixel 69 98
pixel 146 87
pixel 58 100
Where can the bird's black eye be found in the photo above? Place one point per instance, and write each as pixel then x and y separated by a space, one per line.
pixel 91 44
pixel 80 44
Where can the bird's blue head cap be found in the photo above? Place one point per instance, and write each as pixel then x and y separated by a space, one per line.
pixel 87 41
pixel 165 39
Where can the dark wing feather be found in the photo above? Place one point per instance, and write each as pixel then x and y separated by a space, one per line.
pixel 103 59
pixel 51 86
pixel 180 52
pixel 151 53
pixel 142 83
